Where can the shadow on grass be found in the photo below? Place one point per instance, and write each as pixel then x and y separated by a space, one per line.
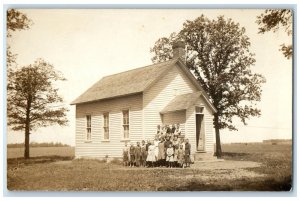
pixel 240 185
pixel 12 162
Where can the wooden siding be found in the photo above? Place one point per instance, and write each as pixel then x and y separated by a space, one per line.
pixel 175 117
pixel 98 147
pixel 144 116
pixel 160 94
pixel 209 129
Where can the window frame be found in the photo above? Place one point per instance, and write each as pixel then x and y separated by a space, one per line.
pixel 123 125
pixel 104 126
pixel 88 128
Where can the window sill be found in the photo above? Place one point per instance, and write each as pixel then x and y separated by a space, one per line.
pixel 88 141
pixel 125 140
pixel 105 140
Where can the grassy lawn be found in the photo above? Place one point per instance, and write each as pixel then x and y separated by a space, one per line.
pixel 41 151
pixel 54 172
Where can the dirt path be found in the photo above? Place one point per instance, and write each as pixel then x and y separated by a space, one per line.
pixel 225 170
pixel 225 165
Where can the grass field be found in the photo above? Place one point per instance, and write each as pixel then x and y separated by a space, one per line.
pixel 41 151
pixel 52 169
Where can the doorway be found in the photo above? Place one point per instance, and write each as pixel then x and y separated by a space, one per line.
pixel 200 135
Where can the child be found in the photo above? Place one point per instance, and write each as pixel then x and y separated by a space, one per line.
pixel 131 153
pixel 187 153
pixel 167 143
pixel 147 148
pixel 180 156
pixel 169 131
pixel 144 154
pixel 151 154
pixel 164 131
pixel 177 130
pixel 173 129
pixel 125 155
pixel 175 163
pixel 182 142
pixel 137 154
pixel 156 142
pixel 158 131
pixel 175 143
pixel 170 156
pixel 161 153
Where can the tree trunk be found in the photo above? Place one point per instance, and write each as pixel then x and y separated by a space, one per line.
pixel 26 152
pixel 218 141
pixel 27 128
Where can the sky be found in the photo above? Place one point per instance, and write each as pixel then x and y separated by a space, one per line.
pixel 86 45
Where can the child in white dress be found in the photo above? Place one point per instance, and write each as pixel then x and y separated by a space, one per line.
pixel 151 154
pixel 156 142
pixel 170 156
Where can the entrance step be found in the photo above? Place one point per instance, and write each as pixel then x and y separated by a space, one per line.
pixel 204 156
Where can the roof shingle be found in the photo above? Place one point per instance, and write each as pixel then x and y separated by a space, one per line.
pixel 125 83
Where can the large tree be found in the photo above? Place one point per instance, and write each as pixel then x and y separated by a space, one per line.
pixel 33 100
pixel 272 20
pixel 217 53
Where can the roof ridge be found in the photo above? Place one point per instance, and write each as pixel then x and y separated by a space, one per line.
pixel 139 68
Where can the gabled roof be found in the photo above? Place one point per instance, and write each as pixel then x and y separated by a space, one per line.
pixel 182 102
pixel 134 81
pixel 125 83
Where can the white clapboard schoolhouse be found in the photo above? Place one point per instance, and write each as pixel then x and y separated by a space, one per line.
pixel 128 106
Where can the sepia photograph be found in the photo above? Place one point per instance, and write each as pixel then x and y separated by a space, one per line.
pixel 149 100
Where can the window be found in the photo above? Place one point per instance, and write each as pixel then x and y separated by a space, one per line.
pixel 126 124
pixel 88 127
pixel 106 126
pixel 199 110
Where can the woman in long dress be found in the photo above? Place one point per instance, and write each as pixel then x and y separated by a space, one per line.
pixel 144 154
pixel 151 154
pixel 180 156
pixel 126 155
pixel 156 142
pixel 161 153
pixel 138 154
pixel 187 153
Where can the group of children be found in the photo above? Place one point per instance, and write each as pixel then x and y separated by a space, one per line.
pixel 168 149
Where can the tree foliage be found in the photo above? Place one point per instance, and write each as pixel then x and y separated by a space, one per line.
pixel 33 100
pixel 16 20
pixel 217 53
pixel 272 20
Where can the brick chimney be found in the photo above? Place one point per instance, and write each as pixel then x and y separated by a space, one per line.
pixel 179 50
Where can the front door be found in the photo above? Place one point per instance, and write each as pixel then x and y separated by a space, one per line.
pixel 200 132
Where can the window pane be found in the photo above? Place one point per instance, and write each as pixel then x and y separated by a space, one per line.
pixel 88 137
pixel 126 132
pixel 126 123
pixel 106 133
pixel 88 127
pixel 125 117
pixel 88 121
pixel 106 126
pixel 106 120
